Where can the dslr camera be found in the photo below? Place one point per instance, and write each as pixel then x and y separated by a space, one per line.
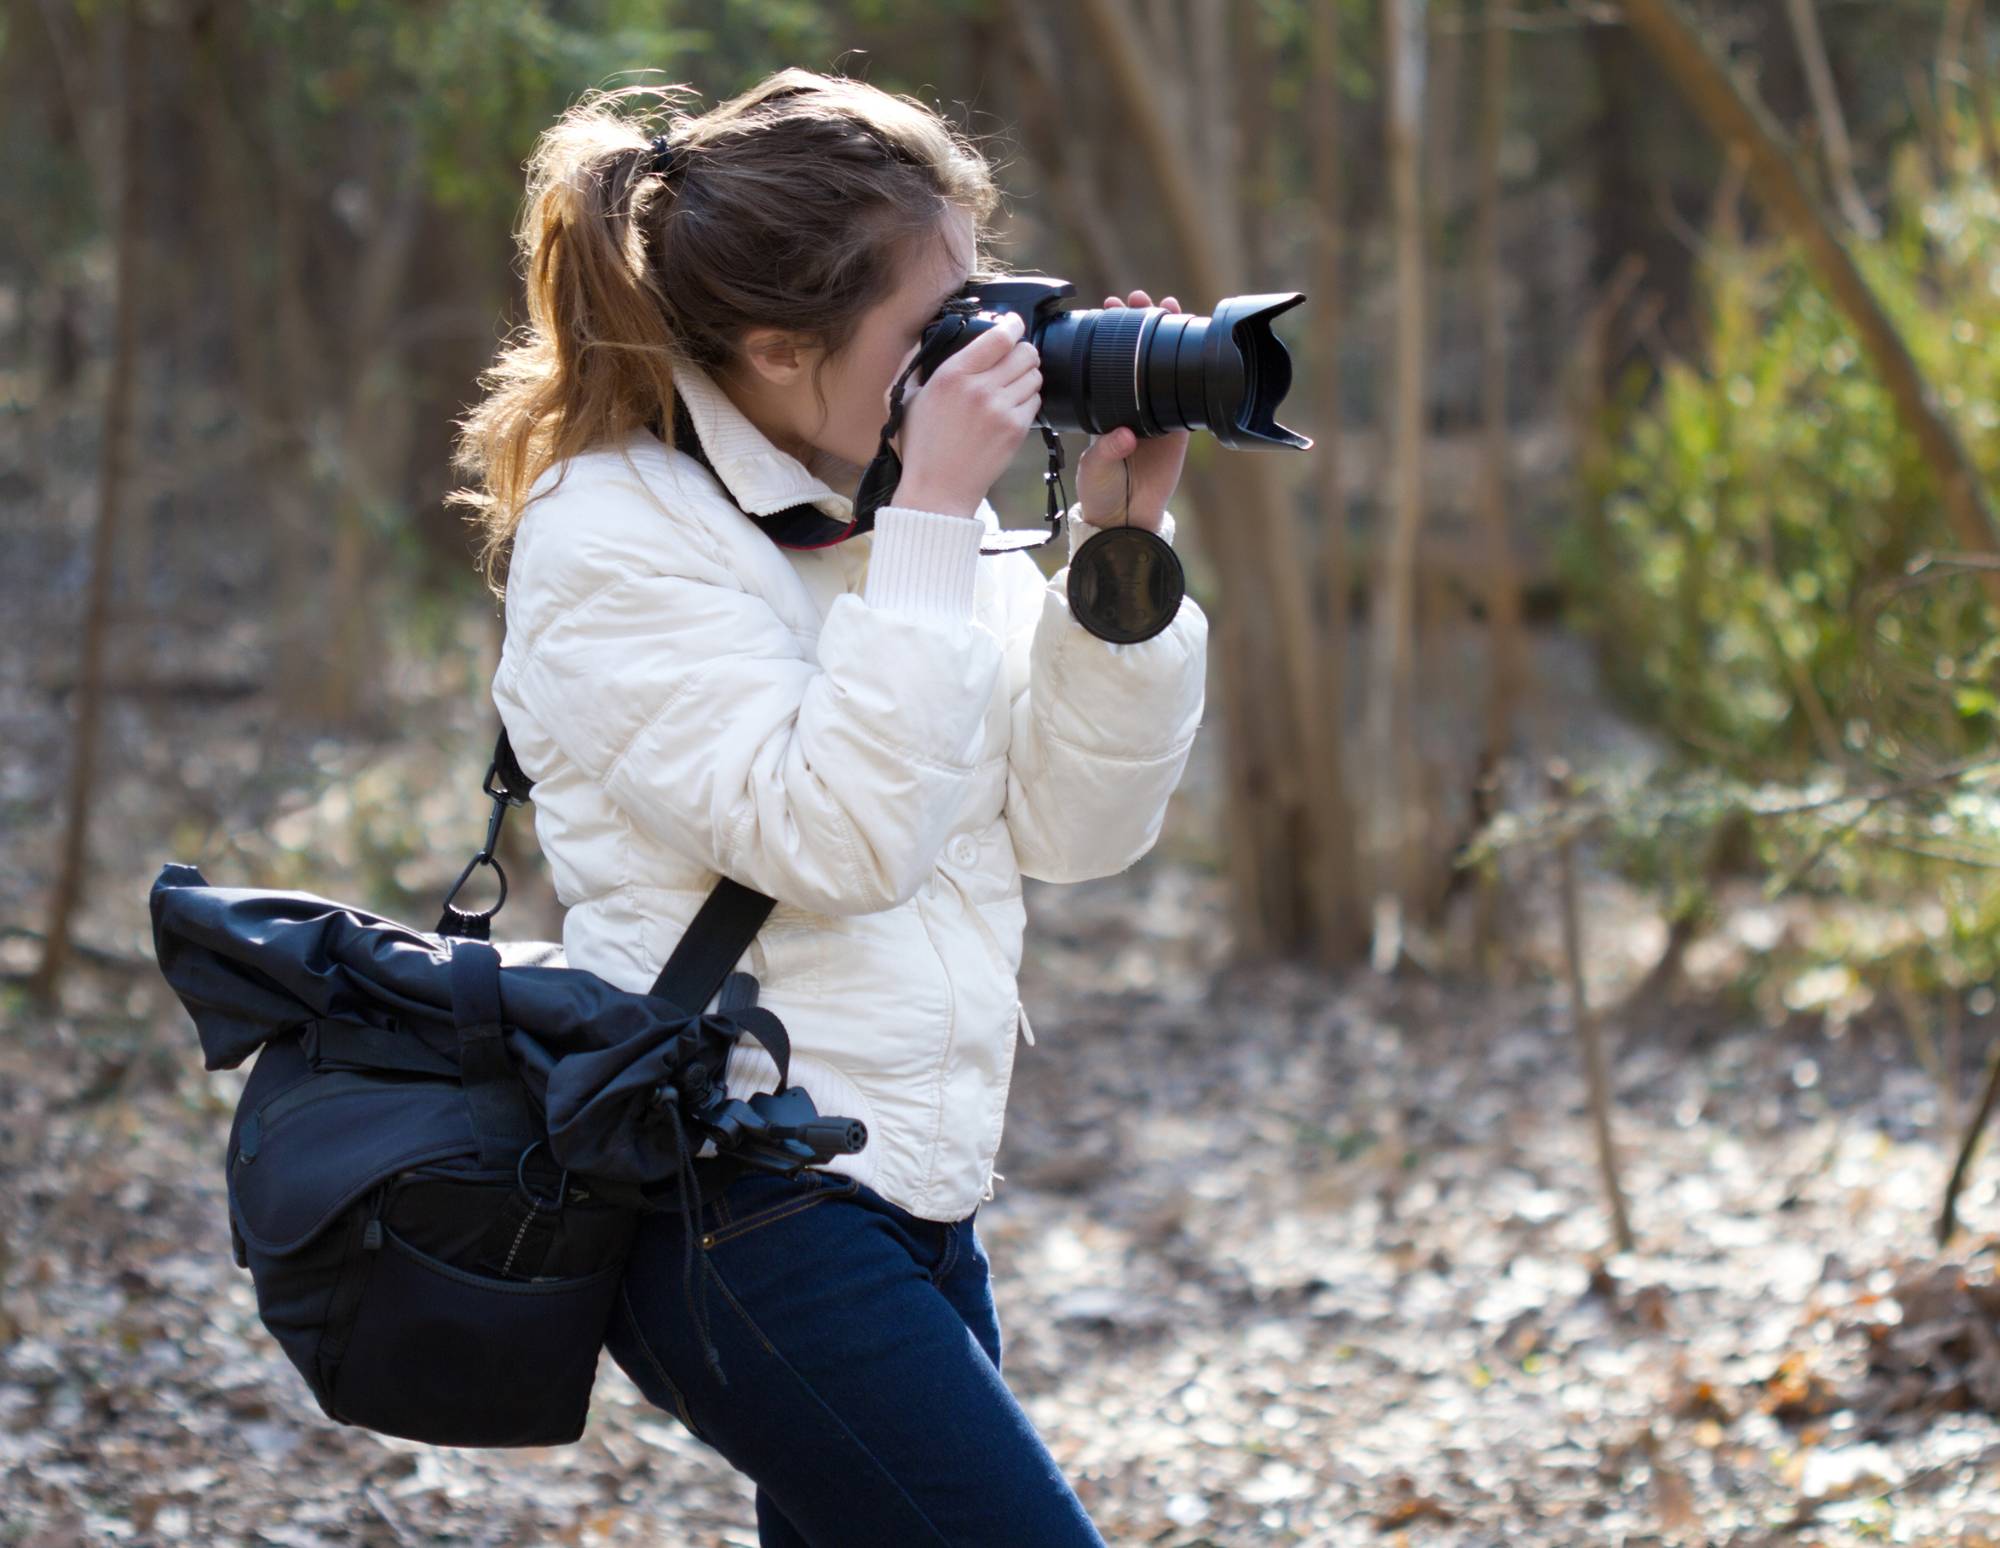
pixel 1141 366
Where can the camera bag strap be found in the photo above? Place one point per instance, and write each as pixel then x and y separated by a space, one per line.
pixel 500 1116
pixel 701 964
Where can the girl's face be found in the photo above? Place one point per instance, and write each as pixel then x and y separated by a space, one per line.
pixel 855 381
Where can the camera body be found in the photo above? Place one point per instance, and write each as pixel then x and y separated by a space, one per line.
pixel 1146 368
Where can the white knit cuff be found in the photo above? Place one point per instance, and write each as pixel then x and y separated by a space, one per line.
pixel 923 562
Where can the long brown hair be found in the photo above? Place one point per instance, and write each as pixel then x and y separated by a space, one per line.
pixel 787 206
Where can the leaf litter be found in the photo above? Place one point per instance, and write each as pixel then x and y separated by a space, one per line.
pixel 1280 1257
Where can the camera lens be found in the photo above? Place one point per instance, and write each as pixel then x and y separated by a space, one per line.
pixel 1143 366
pixel 1155 371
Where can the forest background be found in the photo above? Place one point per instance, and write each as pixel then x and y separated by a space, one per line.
pixel 1564 993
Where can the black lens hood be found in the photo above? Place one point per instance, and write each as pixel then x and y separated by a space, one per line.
pixel 1246 372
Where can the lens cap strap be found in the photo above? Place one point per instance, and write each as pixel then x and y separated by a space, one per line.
pixel 1125 582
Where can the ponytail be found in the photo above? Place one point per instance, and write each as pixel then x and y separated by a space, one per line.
pixel 596 359
pixel 786 206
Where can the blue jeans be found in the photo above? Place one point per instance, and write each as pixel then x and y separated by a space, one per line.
pixel 862 1354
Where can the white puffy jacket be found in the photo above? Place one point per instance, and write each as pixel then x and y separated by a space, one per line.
pixel 884 735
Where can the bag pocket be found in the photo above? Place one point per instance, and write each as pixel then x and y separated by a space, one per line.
pixel 437 1353
pixel 308 1158
pixel 417 1294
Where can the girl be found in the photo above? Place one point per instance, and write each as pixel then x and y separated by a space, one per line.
pixel 713 668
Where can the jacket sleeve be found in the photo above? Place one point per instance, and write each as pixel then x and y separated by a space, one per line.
pixel 829 785
pixel 1101 732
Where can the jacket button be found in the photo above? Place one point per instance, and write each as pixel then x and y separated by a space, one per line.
pixel 964 849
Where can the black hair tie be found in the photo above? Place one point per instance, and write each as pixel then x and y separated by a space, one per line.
pixel 666 155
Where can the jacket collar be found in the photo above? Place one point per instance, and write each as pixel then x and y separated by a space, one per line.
pixel 761 479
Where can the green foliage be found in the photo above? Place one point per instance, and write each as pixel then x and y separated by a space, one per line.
pixel 1835 895
pixel 474 82
pixel 1763 509
pixel 1775 584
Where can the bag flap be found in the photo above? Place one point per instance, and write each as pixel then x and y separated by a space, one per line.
pixel 309 1152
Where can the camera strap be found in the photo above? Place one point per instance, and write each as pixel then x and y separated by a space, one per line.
pixel 1125 583
pixel 883 474
pixel 809 527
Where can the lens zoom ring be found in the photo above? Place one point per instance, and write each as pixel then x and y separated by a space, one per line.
pixel 1111 397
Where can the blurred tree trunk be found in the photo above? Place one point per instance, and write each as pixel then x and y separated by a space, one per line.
pixel 1740 122
pixel 1503 584
pixel 318 352
pixel 1065 158
pixel 114 468
pixel 268 395
pixel 1581 395
pixel 1441 605
pixel 1256 169
pixel 1288 741
pixel 374 436
pixel 1438 157
pixel 1833 140
pixel 64 304
pixel 1930 130
pixel 1979 67
pixel 1951 50
pixel 1213 124
pixel 1396 816
pixel 1962 51
pixel 1346 922
pixel 1503 597
pixel 1628 187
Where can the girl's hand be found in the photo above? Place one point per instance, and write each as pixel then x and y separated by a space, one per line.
pixel 1154 461
pixel 962 427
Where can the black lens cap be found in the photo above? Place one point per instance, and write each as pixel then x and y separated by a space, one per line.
pixel 1125 584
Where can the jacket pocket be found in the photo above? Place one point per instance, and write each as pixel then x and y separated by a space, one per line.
pixel 989 1150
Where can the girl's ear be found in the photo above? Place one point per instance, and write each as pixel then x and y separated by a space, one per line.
pixel 776 356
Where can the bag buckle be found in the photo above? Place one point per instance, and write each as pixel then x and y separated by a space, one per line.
pixel 479 926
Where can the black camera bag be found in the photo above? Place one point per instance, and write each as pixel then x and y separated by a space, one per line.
pixel 442 1152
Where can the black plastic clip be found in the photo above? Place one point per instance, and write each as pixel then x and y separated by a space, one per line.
pixel 1052 476
pixel 479 926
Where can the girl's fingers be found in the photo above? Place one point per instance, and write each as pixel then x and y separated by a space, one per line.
pixel 1116 445
pixel 1028 385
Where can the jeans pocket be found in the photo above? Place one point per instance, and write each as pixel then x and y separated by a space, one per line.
pixel 761 1198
